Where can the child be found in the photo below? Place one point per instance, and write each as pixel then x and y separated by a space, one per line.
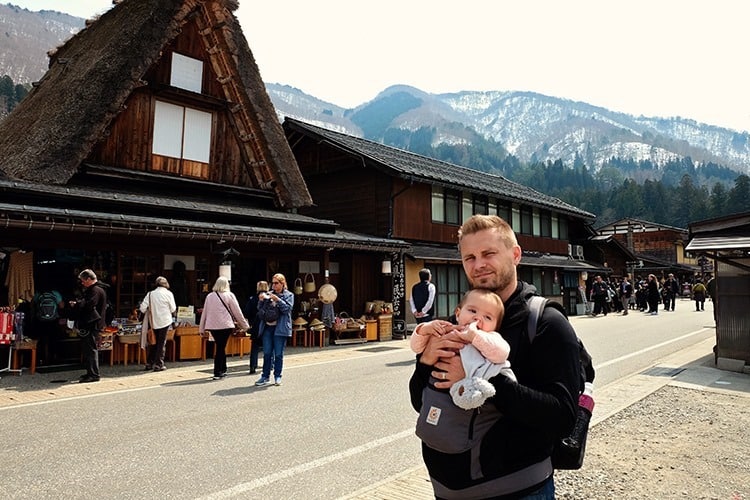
pixel 485 353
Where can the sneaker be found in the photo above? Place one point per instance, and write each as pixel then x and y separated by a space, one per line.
pixel 253 371
pixel 88 378
pixel 160 368
pixel 217 377
pixel 148 368
pixel 277 381
pixel 262 381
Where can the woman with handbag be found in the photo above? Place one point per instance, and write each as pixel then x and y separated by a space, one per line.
pixel 251 313
pixel 158 308
pixel 220 316
pixel 275 311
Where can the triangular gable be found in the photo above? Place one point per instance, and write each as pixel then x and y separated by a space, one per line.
pixel 92 75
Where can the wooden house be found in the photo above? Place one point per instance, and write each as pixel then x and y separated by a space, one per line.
pixel 390 193
pixel 726 242
pixel 150 147
pixel 651 249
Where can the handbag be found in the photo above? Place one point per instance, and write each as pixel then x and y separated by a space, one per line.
pixel 150 335
pixel 298 287
pixel 238 331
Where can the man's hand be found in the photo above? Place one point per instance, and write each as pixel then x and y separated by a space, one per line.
pixel 442 354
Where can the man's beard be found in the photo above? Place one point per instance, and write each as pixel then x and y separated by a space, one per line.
pixel 494 282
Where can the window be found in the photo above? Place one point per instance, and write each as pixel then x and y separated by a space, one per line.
pixel 480 205
pixel 545 223
pixel 181 132
pixel 563 225
pixel 467 206
pixel 503 211
pixel 450 285
pixel 187 73
pixel 527 221
pixel 537 222
pixel 445 206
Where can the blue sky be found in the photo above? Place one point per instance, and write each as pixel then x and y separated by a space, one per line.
pixel 655 58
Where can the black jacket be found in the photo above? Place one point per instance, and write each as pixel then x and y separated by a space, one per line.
pixel 536 411
pixel 91 309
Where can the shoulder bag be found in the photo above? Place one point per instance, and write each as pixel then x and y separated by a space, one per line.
pixel 238 331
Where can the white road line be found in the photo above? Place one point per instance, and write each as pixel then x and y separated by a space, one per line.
pixel 284 474
pixel 651 348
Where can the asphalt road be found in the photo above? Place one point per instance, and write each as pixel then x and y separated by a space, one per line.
pixel 332 428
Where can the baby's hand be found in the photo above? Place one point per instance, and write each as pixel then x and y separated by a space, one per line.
pixel 436 328
pixel 468 333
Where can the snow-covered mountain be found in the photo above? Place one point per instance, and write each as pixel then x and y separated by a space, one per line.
pixel 531 126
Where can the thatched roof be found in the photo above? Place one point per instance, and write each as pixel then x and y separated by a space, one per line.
pixel 91 76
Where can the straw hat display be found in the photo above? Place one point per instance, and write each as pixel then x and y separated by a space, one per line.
pixel 316 324
pixel 300 321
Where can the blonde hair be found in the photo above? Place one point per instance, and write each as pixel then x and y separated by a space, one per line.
pixel 280 278
pixel 221 285
pixel 479 222
pixel 261 286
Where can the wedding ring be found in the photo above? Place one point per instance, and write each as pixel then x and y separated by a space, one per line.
pixel 443 376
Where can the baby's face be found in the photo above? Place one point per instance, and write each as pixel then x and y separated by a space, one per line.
pixel 481 309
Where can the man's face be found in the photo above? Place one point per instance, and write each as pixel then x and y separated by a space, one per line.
pixel 86 282
pixel 488 263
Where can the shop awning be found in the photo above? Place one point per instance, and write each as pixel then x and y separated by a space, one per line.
pixel 41 218
pixel 705 243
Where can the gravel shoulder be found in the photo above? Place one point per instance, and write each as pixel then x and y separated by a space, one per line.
pixel 677 443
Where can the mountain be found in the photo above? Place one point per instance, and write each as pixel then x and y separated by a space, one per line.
pixel 529 126
pixel 28 36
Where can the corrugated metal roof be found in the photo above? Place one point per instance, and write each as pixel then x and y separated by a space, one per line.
pixel 707 243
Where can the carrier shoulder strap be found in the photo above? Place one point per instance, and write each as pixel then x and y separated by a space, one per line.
pixel 536 307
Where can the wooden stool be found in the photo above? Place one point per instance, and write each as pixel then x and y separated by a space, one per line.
pixel 24 346
pixel 311 334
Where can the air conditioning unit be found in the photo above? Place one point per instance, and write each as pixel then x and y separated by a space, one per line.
pixel 570 250
pixel 579 251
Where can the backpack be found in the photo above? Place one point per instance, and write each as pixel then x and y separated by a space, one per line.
pixel 46 307
pixel 568 452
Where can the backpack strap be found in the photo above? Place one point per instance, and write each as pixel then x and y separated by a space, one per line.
pixel 536 307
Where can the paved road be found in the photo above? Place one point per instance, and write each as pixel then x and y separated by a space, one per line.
pixel 340 422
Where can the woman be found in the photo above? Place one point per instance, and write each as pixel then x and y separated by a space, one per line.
pixel 158 308
pixel 275 331
pixel 220 311
pixel 251 313
pixel 653 295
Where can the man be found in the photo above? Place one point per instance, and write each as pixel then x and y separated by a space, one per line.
pixel 626 290
pixel 158 308
pixel 599 291
pixel 672 287
pixel 535 411
pixel 90 311
pixel 422 299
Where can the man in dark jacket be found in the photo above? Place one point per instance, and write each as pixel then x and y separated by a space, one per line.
pixel 90 311
pixel 422 298
pixel 672 287
pixel 514 456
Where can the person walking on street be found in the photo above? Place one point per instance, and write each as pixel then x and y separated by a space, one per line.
pixel 652 295
pixel 275 332
pixel 219 314
pixel 672 289
pixel 422 300
pixel 158 308
pixel 534 411
pixel 599 293
pixel 251 313
pixel 626 291
pixel 90 312
pixel 699 295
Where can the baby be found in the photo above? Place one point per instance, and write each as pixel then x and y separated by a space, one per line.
pixel 485 353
